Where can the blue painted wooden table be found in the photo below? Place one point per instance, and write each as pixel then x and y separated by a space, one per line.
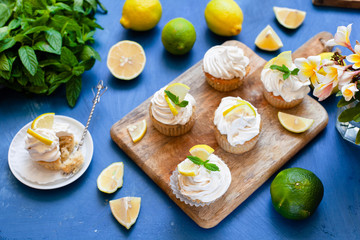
pixel 80 211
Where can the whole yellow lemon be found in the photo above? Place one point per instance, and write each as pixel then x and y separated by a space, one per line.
pixel 141 15
pixel 224 17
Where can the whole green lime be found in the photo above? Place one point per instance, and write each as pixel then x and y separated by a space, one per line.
pixel 178 36
pixel 296 193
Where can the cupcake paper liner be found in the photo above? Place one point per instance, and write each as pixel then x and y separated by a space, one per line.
pixel 279 102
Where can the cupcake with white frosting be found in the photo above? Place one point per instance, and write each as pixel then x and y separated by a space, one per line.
pixel 237 125
pixel 283 87
pixel 225 67
pixel 172 110
pixel 199 182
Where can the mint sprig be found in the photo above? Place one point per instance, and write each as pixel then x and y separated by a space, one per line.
pixel 175 99
pixel 285 70
pixel 209 166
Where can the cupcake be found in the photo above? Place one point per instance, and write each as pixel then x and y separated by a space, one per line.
pixel 199 182
pixel 237 125
pixel 225 67
pixel 172 110
pixel 283 87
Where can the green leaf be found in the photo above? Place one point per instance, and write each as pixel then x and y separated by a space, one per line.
pixel 45 47
pixel 63 77
pixel 172 97
pixel 36 30
pixel 78 6
pixel 67 57
pixel 78 70
pixel 4 63
pixel 295 71
pixel 92 3
pixel 183 104
pixel 357 139
pixel 73 89
pixel 4 32
pixel 342 102
pixel 54 38
pixel 28 59
pixel 196 160
pixel 211 167
pixel 6 44
pixel 282 68
pixel 286 75
pixel 5 74
pixel 357 117
pixel 15 23
pixel 5 14
pixel 349 114
pixel 38 79
pixel 88 64
pixel 88 52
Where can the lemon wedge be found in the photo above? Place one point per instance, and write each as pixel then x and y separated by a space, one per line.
pixel 126 210
pixel 111 178
pixel 243 108
pixel 201 151
pixel 294 123
pixel 268 40
pixel 39 137
pixel 45 120
pixel 283 58
pixel 188 168
pixel 172 106
pixel 288 17
pixel 137 130
pixel 179 90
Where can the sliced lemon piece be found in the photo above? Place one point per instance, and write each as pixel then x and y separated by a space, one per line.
pixel 137 130
pixel 126 210
pixel 294 123
pixel 268 40
pixel 243 108
pixel 283 58
pixel 178 89
pixel 126 60
pixel 188 168
pixel 201 151
pixel 289 18
pixel 39 137
pixel 172 106
pixel 111 178
pixel 45 120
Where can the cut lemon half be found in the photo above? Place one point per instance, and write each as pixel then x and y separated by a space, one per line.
pixel 283 58
pixel 243 108
pixel 45 120
pixel 137 130
pixel 188 168
pixel 126 210
pixel 126 60
pixel 39 137
pixel 288 17
pixel 111 178
pixel 294 123
pixel 268 40
pixel 201 151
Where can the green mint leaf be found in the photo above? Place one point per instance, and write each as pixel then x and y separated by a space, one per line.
pixel 211 167
pixel 78 6
pixel 357 118
pixel 67 57
pixel 172 97
pixel 349 114
pixel 342 102
pixel 295 71
pixel 5 14
pixel 4 63
pixel 357 139
pixel 78 70
pixel 38 79
pixel 54 39
pixel 339 94
pixel 183 104
pixel 88 52
pixel 6 44
pixel 73 89
pixel 28 59
pixel 282 68
pixel 45 47
pixel 88 64
pixel 196 160
pixel 286 75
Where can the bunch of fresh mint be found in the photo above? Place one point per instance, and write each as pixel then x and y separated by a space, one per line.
pixel 44 43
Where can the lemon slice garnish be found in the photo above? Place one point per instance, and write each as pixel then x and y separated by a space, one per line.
pixel 39 137
pixel 137 130
pixel 111 178
pixel 126 210
pixel 172 106
pixel 243 108
pixel 268 40
pixel 188 168
pixel 283 58
pixel 201 151
pixel 289 18
pixel 178 89
pixel 294 123
pixel 45 120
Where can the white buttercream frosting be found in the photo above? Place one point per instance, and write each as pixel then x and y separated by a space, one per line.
pixel 225 62
pixel 40 151
pixel 62 129
pixel 290 89
pixel 161 111
pixel 238 130
pixel 207 185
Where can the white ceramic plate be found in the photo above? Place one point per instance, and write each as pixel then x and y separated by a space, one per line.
pixel 36 176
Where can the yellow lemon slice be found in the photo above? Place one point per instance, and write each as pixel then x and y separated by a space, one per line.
pixel 126 60
pixel 283 58
pixel 111 178
pixel 201 151
pixel 243 108
pixel 172 106
pixel 179 90
pixel 294 123
pixel 39 137
pixel 188 168
pixel 289 18
pixel 268 40
pixel 137 130
pixel 45 120
pixel 126 210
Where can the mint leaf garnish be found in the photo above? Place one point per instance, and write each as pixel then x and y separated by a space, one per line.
pixel 285 70
pixel 175 99
pixel 209 166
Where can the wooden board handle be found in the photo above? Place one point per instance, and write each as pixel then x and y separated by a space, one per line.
pixel 338 3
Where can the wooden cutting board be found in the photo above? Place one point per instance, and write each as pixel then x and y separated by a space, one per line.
pixel 338 3
pixel 158 155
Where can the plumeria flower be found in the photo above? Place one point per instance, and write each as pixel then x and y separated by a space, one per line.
pixel 333 72
pixel 341 37
pixel 324 87
pixel 349 90
pixel 355 58
pixel 308 68
pixel 346 77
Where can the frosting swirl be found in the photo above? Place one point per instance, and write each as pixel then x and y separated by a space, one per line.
pixel 239 130
pixel 290 89
pixel 161 111
pixel 226 62
pixel 206 186
pixel 40 151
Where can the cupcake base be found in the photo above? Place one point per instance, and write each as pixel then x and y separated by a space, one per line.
pixel 238 149
pixel 279 102
pixel 225 85
pixel 173 130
